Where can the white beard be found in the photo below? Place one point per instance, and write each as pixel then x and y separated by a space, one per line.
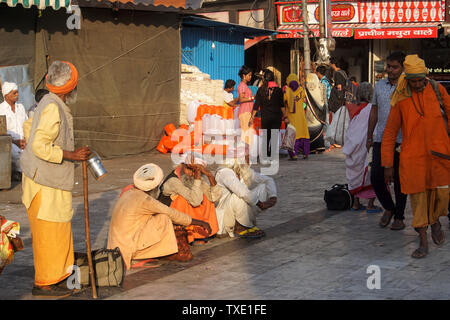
pixel 71 97
pixel 188 181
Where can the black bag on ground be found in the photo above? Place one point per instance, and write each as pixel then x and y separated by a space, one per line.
pixel 109 267
pixel 338 198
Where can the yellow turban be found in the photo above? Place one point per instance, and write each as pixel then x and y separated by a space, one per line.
pixel 414 68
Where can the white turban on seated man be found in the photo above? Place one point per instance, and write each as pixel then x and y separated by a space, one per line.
pixel 141 226
pixel 15 118
pixel 245 194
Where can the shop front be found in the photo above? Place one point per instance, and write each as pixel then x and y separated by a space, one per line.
pixel 367 31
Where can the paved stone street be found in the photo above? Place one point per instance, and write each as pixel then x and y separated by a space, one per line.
pixel 308 252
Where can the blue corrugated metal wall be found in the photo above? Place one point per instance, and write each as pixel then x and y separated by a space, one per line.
pixel 223 62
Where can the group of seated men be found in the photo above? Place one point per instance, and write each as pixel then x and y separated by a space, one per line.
pixel 157 217
pixel 160 218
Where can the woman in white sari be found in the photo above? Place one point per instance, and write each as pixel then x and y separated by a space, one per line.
pixel 357 157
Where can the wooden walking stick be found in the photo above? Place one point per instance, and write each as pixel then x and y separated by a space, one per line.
pixel 86 229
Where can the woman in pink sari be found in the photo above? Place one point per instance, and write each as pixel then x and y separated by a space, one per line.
pixel 246 104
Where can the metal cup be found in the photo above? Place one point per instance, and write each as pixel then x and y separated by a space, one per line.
pixel 96 167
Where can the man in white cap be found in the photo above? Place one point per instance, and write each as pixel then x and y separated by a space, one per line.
pixel 141 226
pixel 15 117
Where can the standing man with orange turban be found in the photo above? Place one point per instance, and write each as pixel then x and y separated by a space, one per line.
pixel 48 178
pixel 424 165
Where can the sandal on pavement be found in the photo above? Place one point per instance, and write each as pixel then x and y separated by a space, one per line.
pixel 251 233
pixel 398 224
pixel 146 264
pixel 376 209
pixel 438 235
pixel 419 253
pixel 386 219
pixel 51 291
pixel 360 208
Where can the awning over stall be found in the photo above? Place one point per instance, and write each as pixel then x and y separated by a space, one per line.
pixel 40 4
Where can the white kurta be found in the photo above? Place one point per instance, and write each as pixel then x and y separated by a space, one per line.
pixel 14 127
pixel 238 202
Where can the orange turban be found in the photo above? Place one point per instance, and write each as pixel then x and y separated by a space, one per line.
pixel 414 68
pixel 69 86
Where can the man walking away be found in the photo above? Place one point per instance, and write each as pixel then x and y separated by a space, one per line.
pixel 381 106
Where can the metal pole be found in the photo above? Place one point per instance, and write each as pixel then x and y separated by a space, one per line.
pixel 86 229
pixel 307 51
pixel 321 20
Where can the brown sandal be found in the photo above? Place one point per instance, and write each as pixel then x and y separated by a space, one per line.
pixel 437 234
pixel 419 253
pixel 386 219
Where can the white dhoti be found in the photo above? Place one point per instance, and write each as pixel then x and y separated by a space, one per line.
pixel 233 209
pixel 16 153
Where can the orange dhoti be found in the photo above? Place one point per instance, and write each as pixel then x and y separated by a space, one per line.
pixel 52 247
pixel 206 212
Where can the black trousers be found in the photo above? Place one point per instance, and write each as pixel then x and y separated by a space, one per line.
pixel 269 123
pixel 379 184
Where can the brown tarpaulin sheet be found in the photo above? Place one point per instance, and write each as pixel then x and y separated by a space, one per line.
pixel 129 68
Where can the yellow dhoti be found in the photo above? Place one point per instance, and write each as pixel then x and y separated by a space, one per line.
pixel 428 206
pixel 52 247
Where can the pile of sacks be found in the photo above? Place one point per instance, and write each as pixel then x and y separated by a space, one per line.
pixel 180 142
pixel 184 141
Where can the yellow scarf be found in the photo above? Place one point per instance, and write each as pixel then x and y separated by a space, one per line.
pixel 414 68
pixel 291 95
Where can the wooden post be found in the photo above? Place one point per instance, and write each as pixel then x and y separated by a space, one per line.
pixel 86 229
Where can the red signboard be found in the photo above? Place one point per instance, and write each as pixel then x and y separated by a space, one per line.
pixel 401 11
pixel 298 33
pixel 396 33
pixel 291 14
pixel 339 12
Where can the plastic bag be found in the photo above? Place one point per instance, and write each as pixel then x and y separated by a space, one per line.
pixel 288 139
pixel 336 131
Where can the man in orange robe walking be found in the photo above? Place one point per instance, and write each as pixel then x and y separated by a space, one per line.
pixel 424 165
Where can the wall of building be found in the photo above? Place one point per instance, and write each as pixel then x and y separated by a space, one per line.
pixel 221 61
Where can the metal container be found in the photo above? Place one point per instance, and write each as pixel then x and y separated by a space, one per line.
pixel 96 167
pixel 2 125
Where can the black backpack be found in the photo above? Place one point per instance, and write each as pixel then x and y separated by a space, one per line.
pixel 338 198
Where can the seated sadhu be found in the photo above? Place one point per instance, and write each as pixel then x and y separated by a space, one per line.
pixel 185 190
pixel 142 227
pixel 245 194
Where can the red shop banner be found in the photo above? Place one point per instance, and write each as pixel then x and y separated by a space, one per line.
pixel 291 13
pixel 298 33
pixel 401 11
pixel 339 12
pixel 396 33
